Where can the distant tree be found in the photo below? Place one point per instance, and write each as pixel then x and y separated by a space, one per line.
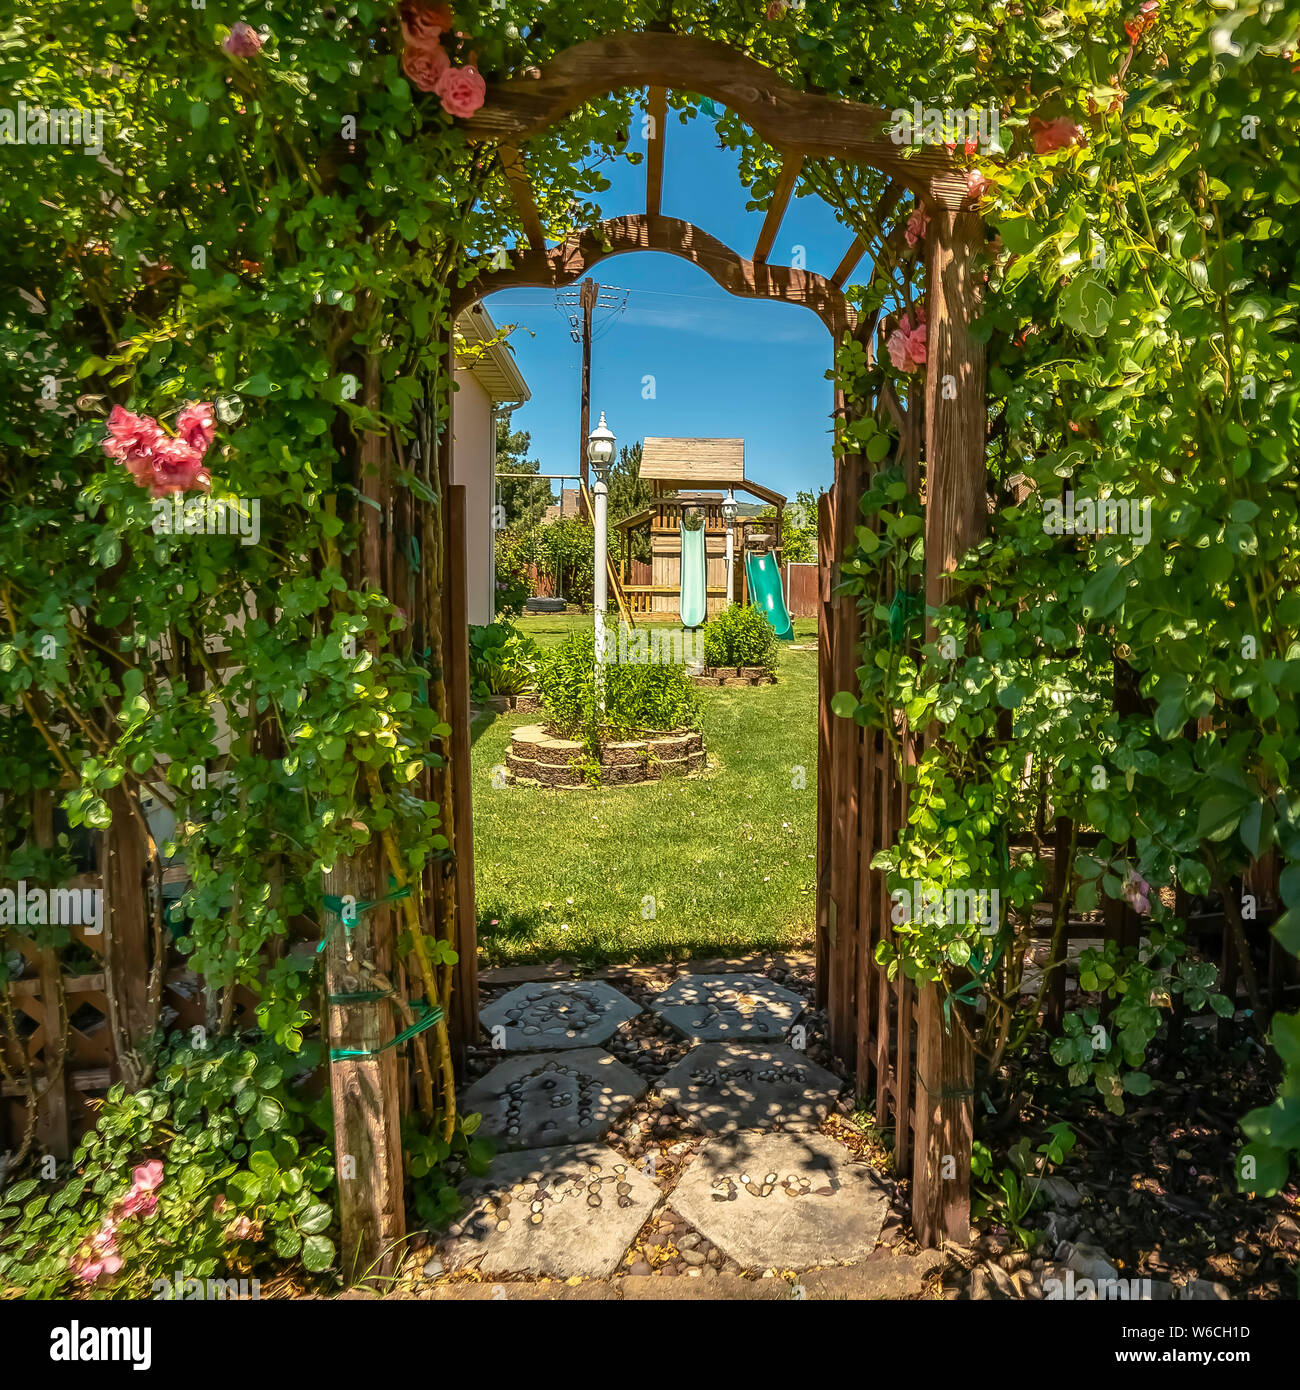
pixel 800 530
pixel 524 502
pixel 629 493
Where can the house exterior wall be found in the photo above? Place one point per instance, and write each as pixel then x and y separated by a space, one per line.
pixel 473 466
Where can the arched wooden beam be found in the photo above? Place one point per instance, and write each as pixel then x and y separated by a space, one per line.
pixel 573 258
pixel 793 121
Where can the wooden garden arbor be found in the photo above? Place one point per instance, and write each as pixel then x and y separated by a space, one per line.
pixel 921 1065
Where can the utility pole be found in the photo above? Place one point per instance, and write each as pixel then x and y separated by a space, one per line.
pixel 586 299
pixel 590 292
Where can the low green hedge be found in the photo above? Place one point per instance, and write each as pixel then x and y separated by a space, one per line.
pixel 740 636
pixel 640 699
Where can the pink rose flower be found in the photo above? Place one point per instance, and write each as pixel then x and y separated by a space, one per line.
pixel 1137 892
pixel 424 24
pixel 129 434
pixel 1057 134
pixel 243 41
pixel 461 90
pixel 148 1176
pixel 157 460
pixel 425 66
pixel 240 1229
pixel 98 1256
pixel 777 10
pixel 1146 17
pixel 139 1203
pixel 977 186
pixel 917 225
pixel 907 345
pixel 197 426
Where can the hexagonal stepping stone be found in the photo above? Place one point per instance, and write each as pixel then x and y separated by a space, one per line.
pixel 571 1211
pixel 538 1099
pixel 726 1087
pixel 783 1201
pixel 712 1007
pixel 558 1013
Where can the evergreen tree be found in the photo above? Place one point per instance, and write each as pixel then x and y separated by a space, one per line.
pixel 524 501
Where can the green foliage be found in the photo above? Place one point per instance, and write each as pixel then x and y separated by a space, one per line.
pixel 629 494
pixel 247 1182
pixel 639 698
pixel 1008 1194
pixel 523 501
pixel 502 660
pixel 562 550
pixel 798 529
pixel 740 636
pixel 1141 331
pixel 436 1166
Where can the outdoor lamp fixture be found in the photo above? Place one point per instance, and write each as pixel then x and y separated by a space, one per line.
pixel 600 447
pixel 600 452
pixel 729 516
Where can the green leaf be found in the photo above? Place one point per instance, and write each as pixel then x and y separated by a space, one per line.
pixel 1104 592
pixel 1271 1167
pixel 1219 817
pixel 318 1253
pixel 244 1189
pixel 1087 304
pixel 315 1219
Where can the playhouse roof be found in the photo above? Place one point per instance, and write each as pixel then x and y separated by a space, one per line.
pixel 693 462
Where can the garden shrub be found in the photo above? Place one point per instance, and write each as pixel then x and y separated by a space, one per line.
pixel 215 1170
pixel 639 698
pixel 740 636
pixel 502 660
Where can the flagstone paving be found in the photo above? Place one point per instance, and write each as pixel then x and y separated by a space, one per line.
pixel 570 1211
pixel 538 1099
pixel 715 1007
pixel 723 1087
pixel 719 1169
pixel 558 1014
pixel 783 1200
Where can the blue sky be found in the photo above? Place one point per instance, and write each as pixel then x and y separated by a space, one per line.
pixel 722 366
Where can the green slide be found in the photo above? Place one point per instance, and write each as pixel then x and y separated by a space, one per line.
pixel 694 577
pixel 765 592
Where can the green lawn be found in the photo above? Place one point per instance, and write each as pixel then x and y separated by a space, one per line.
pixel 728 857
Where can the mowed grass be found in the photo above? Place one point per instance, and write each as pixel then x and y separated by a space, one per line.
pixel 727 858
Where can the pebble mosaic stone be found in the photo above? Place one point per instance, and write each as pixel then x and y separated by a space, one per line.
pixel 569 1212
pixel 724 1087
pixel 558 1014
pixel 712 1007
pixel 534 1099
pixel 784 1201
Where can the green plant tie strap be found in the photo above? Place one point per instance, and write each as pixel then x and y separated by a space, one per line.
pixel 904 608
pixel 334 905
pixel 429 1017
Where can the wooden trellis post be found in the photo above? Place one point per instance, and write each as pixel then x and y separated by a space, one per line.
pixel 363 1070
pixel 956 516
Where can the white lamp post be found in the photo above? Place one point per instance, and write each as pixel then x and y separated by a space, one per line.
pixel 600 453
pixel 729 516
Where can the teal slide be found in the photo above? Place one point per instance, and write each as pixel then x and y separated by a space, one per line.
pixel 694 577
pixel 765 592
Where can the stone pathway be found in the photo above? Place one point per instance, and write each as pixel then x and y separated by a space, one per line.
pixel 536 1099
pixel 565 1013
pixel 709 1150
pixel 712 1007
pixel 565 1212
pixel 724 1087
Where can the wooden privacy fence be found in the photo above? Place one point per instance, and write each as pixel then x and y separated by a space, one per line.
pixel 802 595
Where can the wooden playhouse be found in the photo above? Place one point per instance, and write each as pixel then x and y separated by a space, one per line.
pixel 684 474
